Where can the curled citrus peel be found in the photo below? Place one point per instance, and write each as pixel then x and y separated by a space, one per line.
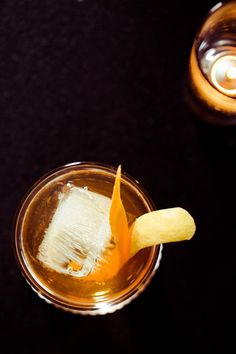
pixel 118 221
pixel 161 226
pixel 152 228
pixel 115 257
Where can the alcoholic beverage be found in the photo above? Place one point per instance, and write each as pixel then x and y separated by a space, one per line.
pixel 76 270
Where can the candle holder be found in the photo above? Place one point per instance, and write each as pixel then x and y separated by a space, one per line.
pixel 212 67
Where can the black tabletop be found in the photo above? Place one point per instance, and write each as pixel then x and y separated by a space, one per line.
pixel 85 80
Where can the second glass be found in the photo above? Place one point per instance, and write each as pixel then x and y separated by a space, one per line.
pixel 212 66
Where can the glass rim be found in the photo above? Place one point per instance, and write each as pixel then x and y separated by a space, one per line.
pixel 220 5
pixel 114 302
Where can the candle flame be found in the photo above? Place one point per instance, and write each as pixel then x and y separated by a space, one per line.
pixel 223 74
pixel 231 73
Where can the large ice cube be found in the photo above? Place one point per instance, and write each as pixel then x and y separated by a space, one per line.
pixel 79 232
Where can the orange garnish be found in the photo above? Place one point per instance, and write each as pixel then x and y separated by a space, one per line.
pixel 114 258
pixel 118 221
pixel 161 226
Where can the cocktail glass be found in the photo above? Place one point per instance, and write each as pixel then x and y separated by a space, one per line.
pixel 91 294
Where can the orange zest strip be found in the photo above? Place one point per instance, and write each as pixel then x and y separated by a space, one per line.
pixel 118 221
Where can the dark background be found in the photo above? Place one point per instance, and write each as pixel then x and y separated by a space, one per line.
pixel 104 81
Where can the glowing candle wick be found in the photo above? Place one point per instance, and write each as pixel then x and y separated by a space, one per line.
pixel 231 73
pixel 223 75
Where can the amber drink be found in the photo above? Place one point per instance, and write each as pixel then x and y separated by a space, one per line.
pixel 76 270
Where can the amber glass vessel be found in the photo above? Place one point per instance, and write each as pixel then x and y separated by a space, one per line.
pixel 92 294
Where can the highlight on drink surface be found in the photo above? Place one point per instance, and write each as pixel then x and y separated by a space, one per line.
pixel 88 238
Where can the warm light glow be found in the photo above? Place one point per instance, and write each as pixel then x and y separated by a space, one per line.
pixel 231 73
pixel 223 75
